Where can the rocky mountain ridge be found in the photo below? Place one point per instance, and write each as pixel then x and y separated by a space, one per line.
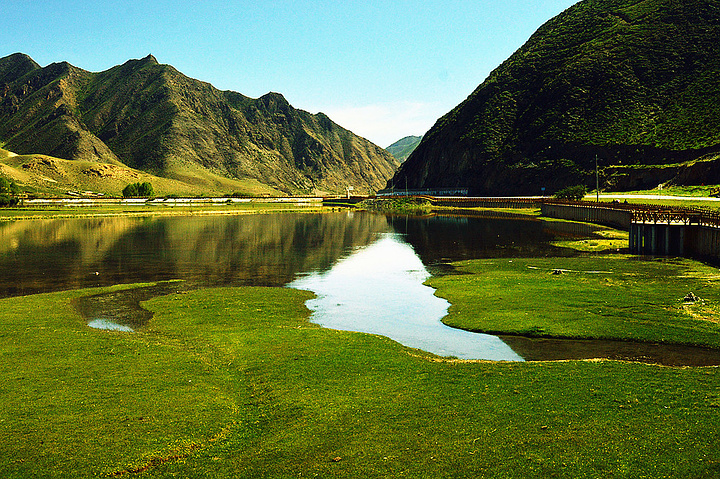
pixel 153 118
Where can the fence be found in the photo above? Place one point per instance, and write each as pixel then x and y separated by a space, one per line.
pixel 479 202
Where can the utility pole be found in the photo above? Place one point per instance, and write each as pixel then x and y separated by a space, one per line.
pixel 597 181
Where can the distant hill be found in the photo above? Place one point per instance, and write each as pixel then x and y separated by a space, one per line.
pixel 152 118
pixel 401 149
pixel 635 83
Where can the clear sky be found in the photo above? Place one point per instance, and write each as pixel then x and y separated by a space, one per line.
pixel 383 69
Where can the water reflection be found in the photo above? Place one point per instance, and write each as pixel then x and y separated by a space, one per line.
pixel 549 349
pixel 122 307
pixel 106 324
pixel 265 249
pixel 444 238
pixel 379 289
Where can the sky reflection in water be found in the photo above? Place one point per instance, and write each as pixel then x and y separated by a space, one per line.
pixel 379 289
pixel 109 325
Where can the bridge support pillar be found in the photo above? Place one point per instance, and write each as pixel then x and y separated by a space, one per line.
pixel 653 239
pixel 657 239
pixel 681 241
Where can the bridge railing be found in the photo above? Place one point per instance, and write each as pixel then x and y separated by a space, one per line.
pixel 651 214
pixel 487 202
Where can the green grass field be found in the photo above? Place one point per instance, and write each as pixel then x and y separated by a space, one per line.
pixel 235 382
pixel 697 191
pixel 677 190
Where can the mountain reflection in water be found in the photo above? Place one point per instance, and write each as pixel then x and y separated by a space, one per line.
pixel 262 249
pixel 259 249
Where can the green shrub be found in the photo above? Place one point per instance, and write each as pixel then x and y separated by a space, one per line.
pixel 8 187
pixel 7 200
pixel 144 190
pixel 575 193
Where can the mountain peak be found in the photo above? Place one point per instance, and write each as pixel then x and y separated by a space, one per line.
pixel 20 58
pixel 274 102
pixel 401 149
pixel 15 66
pixel 150 59
pixel 274 97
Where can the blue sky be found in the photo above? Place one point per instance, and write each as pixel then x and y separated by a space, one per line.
pixel 384 70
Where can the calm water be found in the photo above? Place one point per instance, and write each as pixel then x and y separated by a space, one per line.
pixel 379 289
pixel 263 249
pixel 366 269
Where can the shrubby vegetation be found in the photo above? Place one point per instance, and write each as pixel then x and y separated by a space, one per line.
pixel 8 187
pixel 8 190
pixel 7 200
pixel 574 193
pixel 404 205
pixel 138 190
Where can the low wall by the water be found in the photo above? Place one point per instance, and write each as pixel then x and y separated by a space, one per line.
pixel 703 242
pixel 610 216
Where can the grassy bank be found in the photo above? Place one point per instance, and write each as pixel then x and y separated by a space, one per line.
pixel 608 297
pixel 676 190
pixel 17 213
pixel 236 383
pixel 679 203
pixel 605 239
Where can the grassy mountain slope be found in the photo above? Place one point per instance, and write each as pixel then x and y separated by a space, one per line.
pixel 633 82
pixel 150 117
pixel 42 174
pixel 401 149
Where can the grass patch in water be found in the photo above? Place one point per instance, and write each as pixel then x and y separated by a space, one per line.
pixel 606 239
pixel 596 297
pixel 237 383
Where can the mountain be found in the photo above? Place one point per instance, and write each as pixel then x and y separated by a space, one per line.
pixel 152 118
pixel 633 82
pixel 401 149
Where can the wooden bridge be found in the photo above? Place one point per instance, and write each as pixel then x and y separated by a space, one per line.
pixel 654 230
